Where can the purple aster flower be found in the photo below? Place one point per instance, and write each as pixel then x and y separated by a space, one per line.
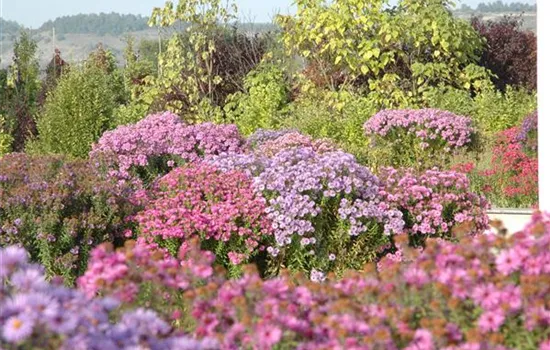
pixel 17 329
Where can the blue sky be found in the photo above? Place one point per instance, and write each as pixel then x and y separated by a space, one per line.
pixel 35 12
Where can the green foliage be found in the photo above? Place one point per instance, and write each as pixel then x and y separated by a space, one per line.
pixel 336 115
pixel 491 110
pixel 264 102
pixel 76 113
pixel 5 138
pixel 398 54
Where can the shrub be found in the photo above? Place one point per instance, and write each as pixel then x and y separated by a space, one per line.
pixel 263 103
pixel 140 152
pixel 433 202
pixel 5 138
pixel 325 208
pixel 335 115
pixel 497 111
pixel 491 110
pixel 486 292
pixel 76 113
pixel 221 209
pixel 58 210
pixel 418 138
pixel 36 314
pixel 510 52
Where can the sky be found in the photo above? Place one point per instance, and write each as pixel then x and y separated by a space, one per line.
pixel 32 13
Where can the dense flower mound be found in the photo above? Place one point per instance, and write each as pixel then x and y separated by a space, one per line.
pixel 58 210
pixel 160 141
pixel 427 136
pixel 433 202
pixel 325 207
pixel 199 200
pixel 482 292
pixel 35 314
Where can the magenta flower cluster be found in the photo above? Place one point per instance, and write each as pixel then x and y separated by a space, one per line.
pixel 434 201
pixel 162 135
pixel 121 273
pixel 36 314
pixel 482 292
pixel 198 200
pixel 428 125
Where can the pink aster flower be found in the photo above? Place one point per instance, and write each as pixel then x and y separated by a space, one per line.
pixel 490 321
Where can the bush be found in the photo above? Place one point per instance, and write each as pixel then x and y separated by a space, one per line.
pixel 140 152
pixel 37 314
pixel 5 138
pixel 510 52
pixel 325 208
pixel 484 292
pixel 418 138
pixel 335 115
pixel 263 103
pixel 497 111
pixel 221 209
pixel 433 203
pixel 75 115
pixel 491 110
pixel 58 210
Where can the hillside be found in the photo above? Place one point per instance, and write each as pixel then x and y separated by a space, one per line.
pixel 76 36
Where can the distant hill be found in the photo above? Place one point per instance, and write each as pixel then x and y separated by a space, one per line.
pixel 100 24
pixel 76 36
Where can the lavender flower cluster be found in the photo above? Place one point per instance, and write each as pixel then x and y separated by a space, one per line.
pixel 427 124
pixel 36 314
pixel 313 197
pixel 160 135
pixel 527 133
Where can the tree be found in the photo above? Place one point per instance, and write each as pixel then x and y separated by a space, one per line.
pixel 24 85
pixel 397 54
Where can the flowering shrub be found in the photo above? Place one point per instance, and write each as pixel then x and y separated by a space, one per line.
pixel 35 314
pixel 483 292
pixel 325 208
pixel 433 202
pixel 418 138
pixel 58 210
pixel 200 201
pixel 157 143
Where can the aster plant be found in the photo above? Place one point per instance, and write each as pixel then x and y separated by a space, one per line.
pixel 140 152
pixel 418 138
pixel 220 208
pixel 325 208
